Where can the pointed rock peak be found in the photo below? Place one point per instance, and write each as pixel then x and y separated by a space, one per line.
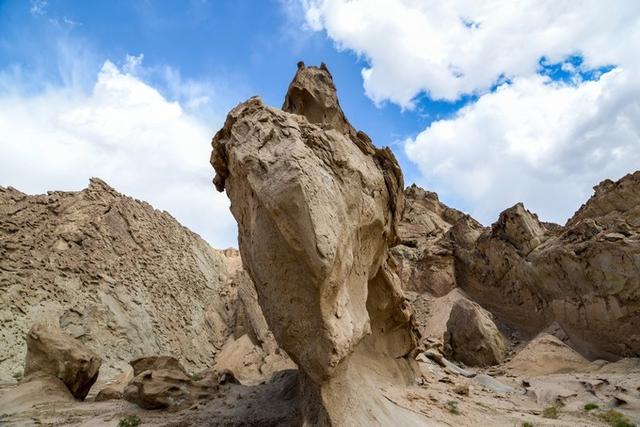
pixel 98 185
pixel 520 227
pixel 313 94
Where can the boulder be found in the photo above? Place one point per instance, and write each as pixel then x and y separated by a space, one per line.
pixel 317 206
pixel 472 337
pixel 160 382
pixel 149 363
pixel 51 351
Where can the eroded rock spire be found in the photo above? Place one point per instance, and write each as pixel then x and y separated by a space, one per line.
pixel 317 207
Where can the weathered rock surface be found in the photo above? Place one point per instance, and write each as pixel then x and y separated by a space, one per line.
pixel 429 231
pixel 472 338
pixel 53 352
pixel 317 207
pixel 160 382
pixel 546 354
pixel 585 276
pixel 118 275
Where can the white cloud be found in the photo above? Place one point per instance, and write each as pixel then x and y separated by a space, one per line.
pixel 450 48
pixel 38 7
pixel 542 143
pixel 545 143
pixel 124 131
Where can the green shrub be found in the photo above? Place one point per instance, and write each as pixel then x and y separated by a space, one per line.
pixel 452 406
pixel 550 412
pixel 590 406
pixel 527 424
pixel 17 375
pixel 130 421
pixel 615 419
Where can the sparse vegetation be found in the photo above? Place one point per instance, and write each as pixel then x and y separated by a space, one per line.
pixel 590 406
pixel 196 376
pixel 550 412
pixel 452 406
pixel 130 421
pixel 17 375
pixel 527 424
pixel 615 419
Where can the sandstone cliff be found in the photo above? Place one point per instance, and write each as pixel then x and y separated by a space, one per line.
pixel 122 277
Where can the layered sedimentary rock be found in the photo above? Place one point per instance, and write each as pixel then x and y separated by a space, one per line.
pixel 317 207
pixel 118 275
pixel 429 232
pixel 585 275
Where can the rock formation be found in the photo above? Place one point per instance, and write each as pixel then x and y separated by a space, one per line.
pixel 472 337
pixel 53 352
pixel 317 207
pixel 160 382
pixel 585 276
pixel 122 277
pixel 429 232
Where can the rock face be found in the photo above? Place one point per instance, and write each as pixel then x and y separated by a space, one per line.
pixel 472 337
pixel 53 352
pixel 160 382
pixel 120 276
pixel 429 231
pixel 317 207
pixel 585 275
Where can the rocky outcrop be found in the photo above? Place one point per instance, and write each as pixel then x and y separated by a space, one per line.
pixel 50 351
pixel 546 354
pixel 121 277
pixel 429 231
pixel 472 338
pixel 160 382
pixel 317 207
pixel 585 276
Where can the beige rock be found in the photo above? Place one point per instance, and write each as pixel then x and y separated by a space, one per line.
pixel 317 206
pixel 428 232
pixel 40 388
pixel 122 277
pixel 149 363
pixel 472 338
pixel 544 355
pixel 249 363
pixel 160 389
pixel 582 276
pixel 53 352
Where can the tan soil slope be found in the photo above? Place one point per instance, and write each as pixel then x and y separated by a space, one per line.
pixel 124 278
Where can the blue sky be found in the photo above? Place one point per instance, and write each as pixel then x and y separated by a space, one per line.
pixel 484 114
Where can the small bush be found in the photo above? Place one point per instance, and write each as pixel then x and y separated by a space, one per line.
pixel 452 406
pixel 615 419
pixel 17 375
pixel 130 421
pixel 527 424
pixel 590 406
pixel 550 412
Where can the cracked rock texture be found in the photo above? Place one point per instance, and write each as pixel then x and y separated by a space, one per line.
pixel 317 207
pixel 584 276
pixel 118 275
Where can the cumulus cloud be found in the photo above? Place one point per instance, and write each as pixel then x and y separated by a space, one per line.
pixel 450 48
pixel 124 131
pixel 536 141
pixel 527 137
